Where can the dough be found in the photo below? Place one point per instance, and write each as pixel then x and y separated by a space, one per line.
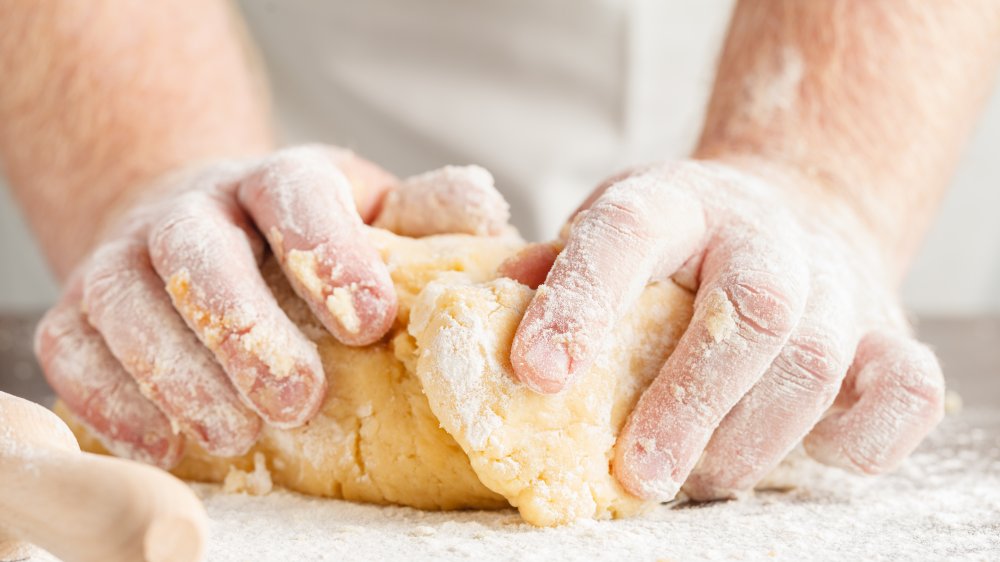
pixel 548 455
pixel 430 416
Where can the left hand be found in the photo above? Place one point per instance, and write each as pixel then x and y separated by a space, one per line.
pixel 794 313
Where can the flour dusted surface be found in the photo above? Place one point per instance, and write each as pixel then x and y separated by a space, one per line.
pixel 943 503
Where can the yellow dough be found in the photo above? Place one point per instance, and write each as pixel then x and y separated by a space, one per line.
pixel 431 417
pixel 548 455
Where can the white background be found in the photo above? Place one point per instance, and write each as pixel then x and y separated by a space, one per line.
pixel 957 271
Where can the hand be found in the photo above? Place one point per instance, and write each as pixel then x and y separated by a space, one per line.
pixel 168 328
pixel 794 314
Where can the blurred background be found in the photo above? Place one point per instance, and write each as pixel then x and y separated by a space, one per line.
pixel 956 273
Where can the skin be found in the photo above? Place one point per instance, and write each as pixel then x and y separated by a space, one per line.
pixel 150 177
pixel 830 135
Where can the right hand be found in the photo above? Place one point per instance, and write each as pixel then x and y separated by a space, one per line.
pixel 168 329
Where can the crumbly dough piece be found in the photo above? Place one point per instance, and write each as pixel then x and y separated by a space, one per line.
pixel 431 417
pixel 548 455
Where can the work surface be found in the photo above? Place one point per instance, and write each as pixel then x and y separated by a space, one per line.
pixel 943 503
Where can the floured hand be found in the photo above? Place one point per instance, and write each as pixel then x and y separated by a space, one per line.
pixel 168 329
pixel 796 329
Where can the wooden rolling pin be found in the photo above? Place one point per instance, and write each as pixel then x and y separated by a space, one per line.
pixel 85 507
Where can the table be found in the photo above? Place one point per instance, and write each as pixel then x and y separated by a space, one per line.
pixel 943 503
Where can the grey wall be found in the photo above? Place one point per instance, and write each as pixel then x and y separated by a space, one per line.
pixel 958 268
pixel 25 283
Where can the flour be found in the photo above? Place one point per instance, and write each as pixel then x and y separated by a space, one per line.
pixel 774 89
pixel 459 355
pixel 943 503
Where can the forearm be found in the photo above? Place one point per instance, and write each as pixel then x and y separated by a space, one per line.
pixel 101 97
pixel 869 101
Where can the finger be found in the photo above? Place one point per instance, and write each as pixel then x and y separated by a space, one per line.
pixel 302 204
pixel 599 191
pixel 752 295
pixel 369 183
pixel 453 199
pixel 531 265
pixel 98 391
pixel 208 265
pixel 639 226
pixel 790 398
pixel 895 396
pixel 125 301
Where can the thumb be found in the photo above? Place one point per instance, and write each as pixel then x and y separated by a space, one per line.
pixel 453 199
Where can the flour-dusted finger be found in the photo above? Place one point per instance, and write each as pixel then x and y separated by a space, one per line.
pixel 752 294
pixel 303 205
pixel 786 403
pixel 450 200
pixel 639 226
pixel 892 397
pixel 126 302
pixel 207 262
pixel 97 390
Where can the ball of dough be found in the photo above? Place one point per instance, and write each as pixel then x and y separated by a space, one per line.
pixel 431 417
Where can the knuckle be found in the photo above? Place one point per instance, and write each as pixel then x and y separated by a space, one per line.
pixel 306 155
pixel 46 334
pixel 916 374
pixel 926 391
pixel 111 275
pixel 179 227
pixel 765 304
pixel 815 362
pixel 290 159
pixel 619 218
pixel 293 164
pixel 283 179
pixel 862 461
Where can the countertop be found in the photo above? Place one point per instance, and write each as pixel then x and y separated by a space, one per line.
pixel 944 502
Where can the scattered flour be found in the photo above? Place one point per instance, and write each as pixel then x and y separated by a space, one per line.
pixel 943 503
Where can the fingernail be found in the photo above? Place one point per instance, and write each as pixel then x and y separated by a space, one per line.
pixel 292 399
pixel 648 470
pixel 548 367
pixel 703 488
